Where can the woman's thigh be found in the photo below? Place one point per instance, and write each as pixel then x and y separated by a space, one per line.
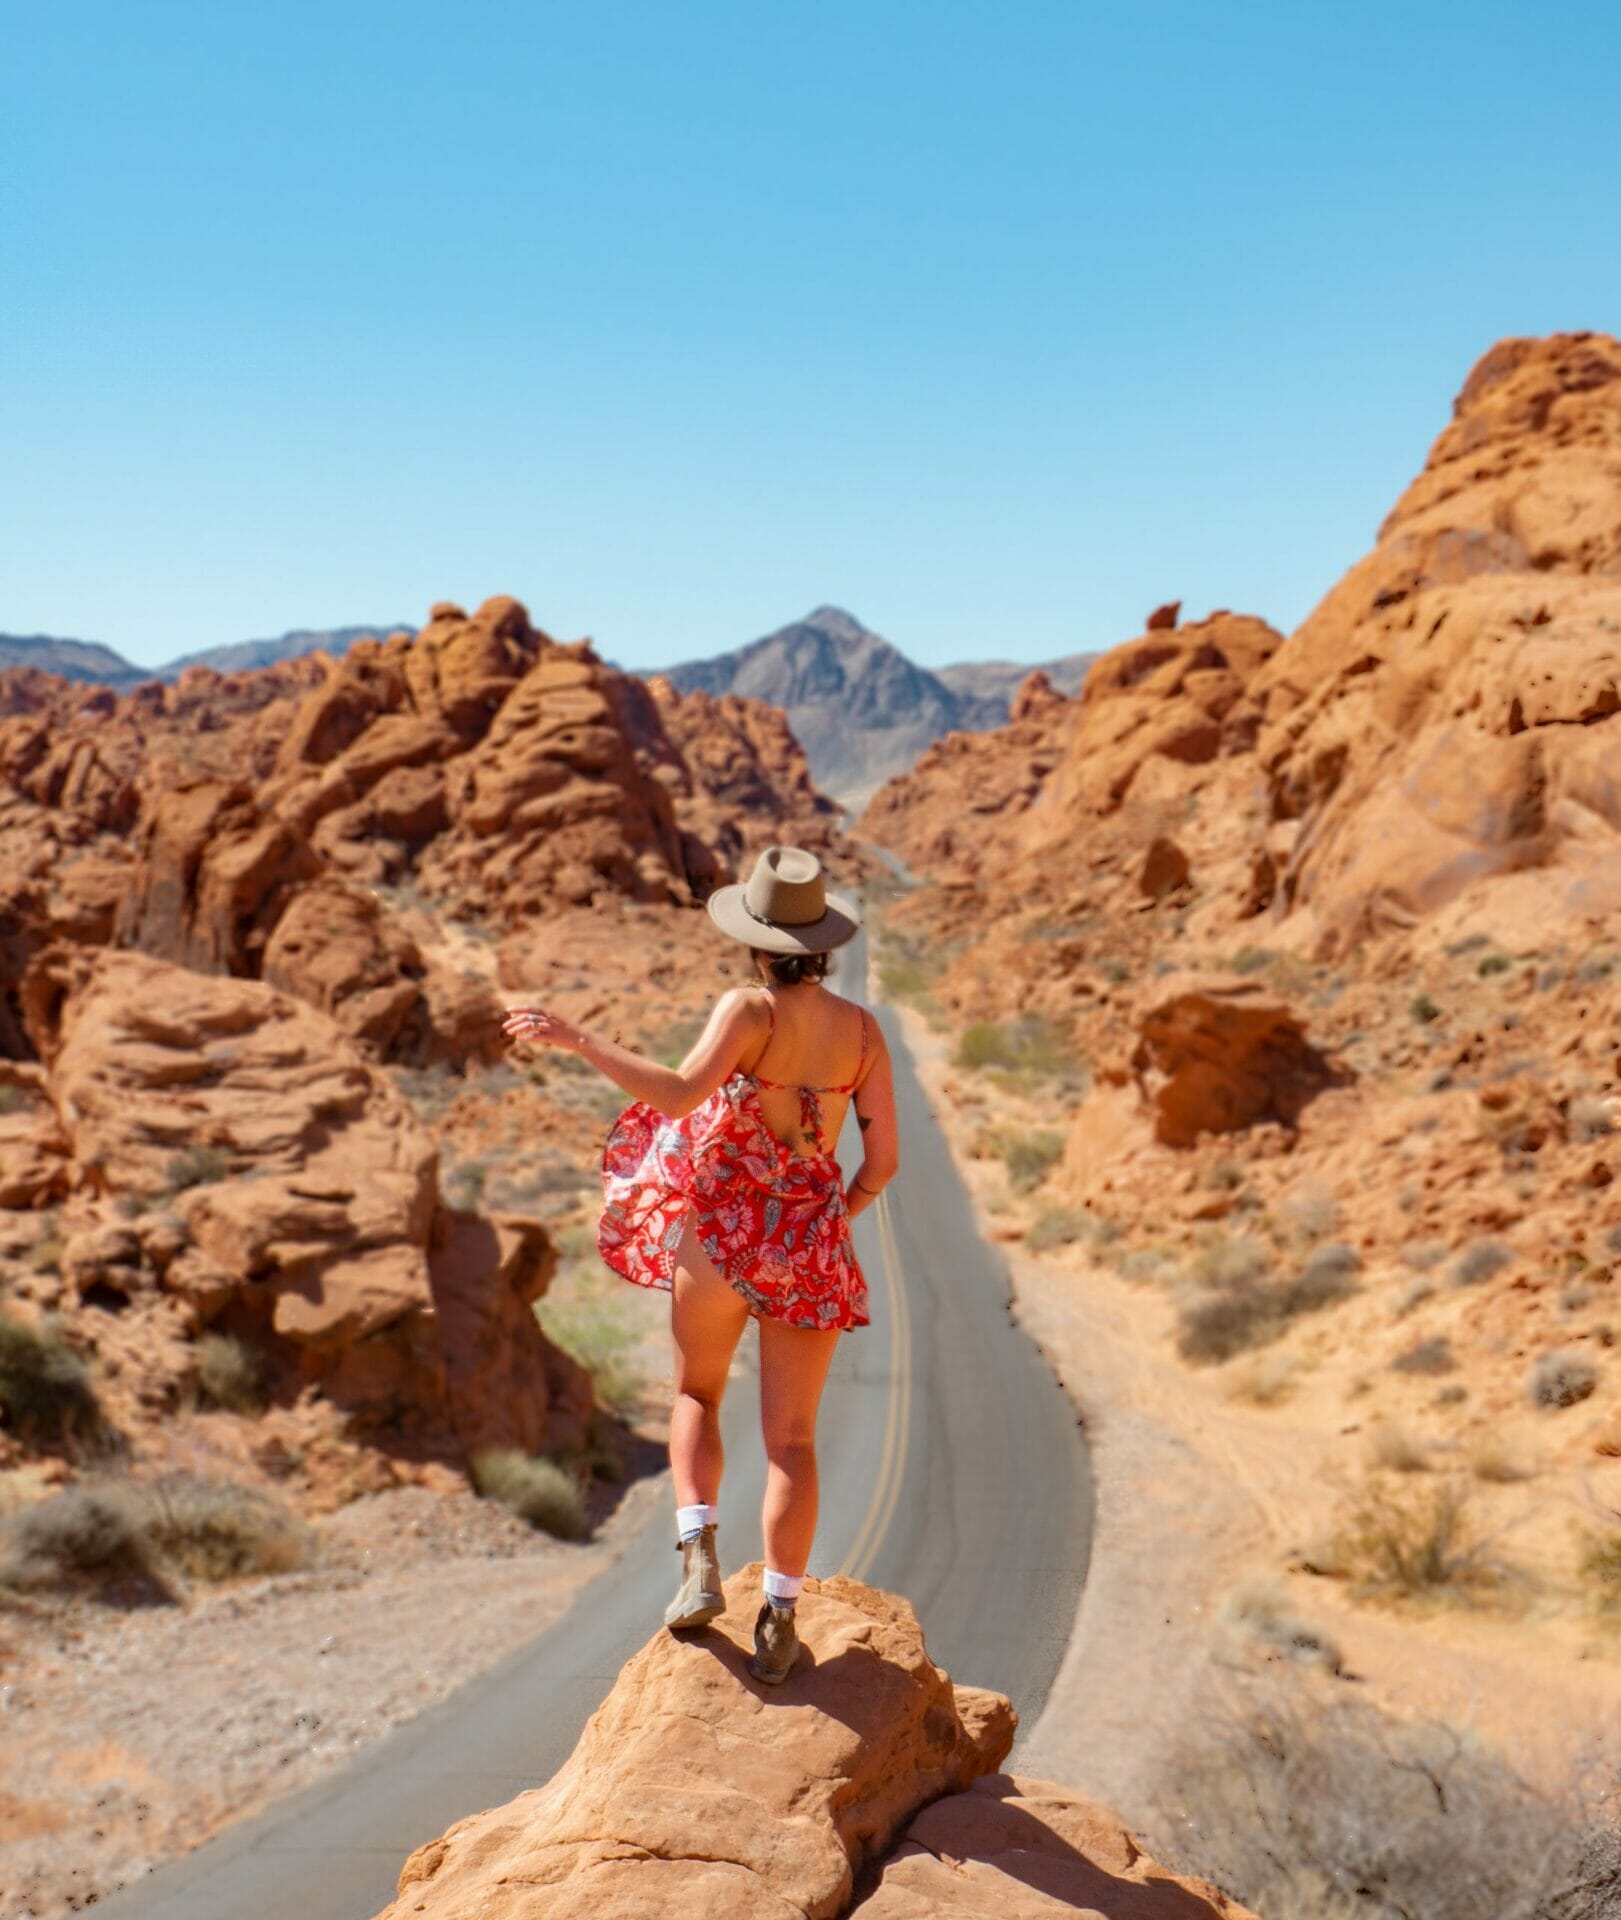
pixel 793 1370
pixel 707 1318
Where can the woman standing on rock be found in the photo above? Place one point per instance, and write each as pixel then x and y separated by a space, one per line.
pixel 720 1184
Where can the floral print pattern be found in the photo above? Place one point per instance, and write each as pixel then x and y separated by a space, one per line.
pixel 774 1222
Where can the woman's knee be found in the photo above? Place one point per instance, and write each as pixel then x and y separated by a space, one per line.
pixel 793 1450
pixel 704 1394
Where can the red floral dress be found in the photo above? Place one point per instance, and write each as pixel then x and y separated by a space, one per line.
pixel 773 1221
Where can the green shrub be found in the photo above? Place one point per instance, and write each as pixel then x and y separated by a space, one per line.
pixel 1562 1380
pixel 46 1397
pixel 1251 960
pixel 1028 1049
pixel 1426 1356
pixel 590 1326
pixel 198 1166
pixel 1028 1157
pixel 1423 1009
pixel 1494 963
pixel 537 1490
pixel 216 1530
pixel 229 1374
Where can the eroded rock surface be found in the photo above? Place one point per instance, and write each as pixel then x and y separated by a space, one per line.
pixel 694 1789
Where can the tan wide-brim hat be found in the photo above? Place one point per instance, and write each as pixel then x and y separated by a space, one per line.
pixel 784 907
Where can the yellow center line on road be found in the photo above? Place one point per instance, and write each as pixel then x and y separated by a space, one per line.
pixel 886 1491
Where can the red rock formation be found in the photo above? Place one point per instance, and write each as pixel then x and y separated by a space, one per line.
pixel 1447 715
pixel 1164 618
pixel 1014 1849
pixel 290 1197
pixel 692 1792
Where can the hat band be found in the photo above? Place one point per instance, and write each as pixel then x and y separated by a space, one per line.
pixel 782 926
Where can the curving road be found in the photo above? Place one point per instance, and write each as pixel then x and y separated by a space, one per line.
pixel 953 1471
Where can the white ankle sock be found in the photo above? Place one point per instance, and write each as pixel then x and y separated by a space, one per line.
pixel 782 1589
pixel 691 1521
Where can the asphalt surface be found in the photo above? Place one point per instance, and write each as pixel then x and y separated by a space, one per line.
pixel 953 1471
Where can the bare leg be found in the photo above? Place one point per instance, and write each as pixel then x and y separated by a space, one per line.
pixel 707 1319
pixel 793 1369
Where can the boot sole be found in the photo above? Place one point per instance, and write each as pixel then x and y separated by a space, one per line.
pixel 698 1617
pixel 769 1678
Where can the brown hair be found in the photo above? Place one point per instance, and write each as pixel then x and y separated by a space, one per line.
pixel 791 969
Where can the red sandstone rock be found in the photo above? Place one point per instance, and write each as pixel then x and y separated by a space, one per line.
pixel 1016 1849
pixel 695 1789
pixel 1164 618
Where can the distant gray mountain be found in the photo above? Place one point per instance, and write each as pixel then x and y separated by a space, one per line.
pixel 861 709
pixel 90 660
pixel 999 679
pixel 72 659
pixel 243 654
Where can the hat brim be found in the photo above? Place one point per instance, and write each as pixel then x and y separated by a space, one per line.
pixel 841 922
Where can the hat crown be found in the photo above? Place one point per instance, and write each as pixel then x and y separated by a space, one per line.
pixel 786 888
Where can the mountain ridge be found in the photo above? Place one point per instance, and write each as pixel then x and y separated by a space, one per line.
pixel 93 662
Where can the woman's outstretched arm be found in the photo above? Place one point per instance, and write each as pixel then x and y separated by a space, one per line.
pixel 738 1017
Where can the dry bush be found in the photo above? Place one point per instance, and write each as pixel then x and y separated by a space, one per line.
pixel 1416 1541
pixel 1028 1156
pixel 90 1539
pixel 1057 1227
pixel 537 1490
pixel 1562 1380
pixel 198 1166
pixel 1479 1261
pixel 1262 1615
pixel 1495 1461
pixel 212 1529
pixel 229 1374
pixel 1313 1212
pixel 1307 1807
pixel 1422 1255
pixel 1601 1563
pixel 46 1398
pixel 1392 1448
pixel 1240 1307
pixel 127 1540
pixel 1434 1355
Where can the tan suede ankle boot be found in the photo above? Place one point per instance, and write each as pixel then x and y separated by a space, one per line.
pixel 699 1599
pixel 776 1645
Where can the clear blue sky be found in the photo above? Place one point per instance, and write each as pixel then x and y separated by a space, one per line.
pixel 994 323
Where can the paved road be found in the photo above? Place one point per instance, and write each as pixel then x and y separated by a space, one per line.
pixel 953 1471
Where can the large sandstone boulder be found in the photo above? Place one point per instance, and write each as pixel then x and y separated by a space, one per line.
pixel 1014 1849
pixel 1450 713
pixel 300 1196
pixel 1217 1056
pixel 694 1790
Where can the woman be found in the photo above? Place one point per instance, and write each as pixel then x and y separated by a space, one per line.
pixel 720 1184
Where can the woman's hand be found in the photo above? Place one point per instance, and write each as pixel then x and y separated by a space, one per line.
pixel 537 1028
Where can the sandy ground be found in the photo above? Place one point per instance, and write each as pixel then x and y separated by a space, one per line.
pixel 1204 1499
pixel 108 1766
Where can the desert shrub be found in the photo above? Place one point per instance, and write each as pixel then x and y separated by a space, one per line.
pixel 197 1166
pixel 1028 1049
pixel 1494 963
pixel 537 1490
pixel 1415 1541
pixel 1423 1009
pixel 211 1529
pixel 1422 1255
pixel 1146 1263
pixel 230 1374
pixel 12 1099
pixel 1314 1808
pixel 1396 1451
pixel 464 1188
pixel 1601 1563
pixel 46 1397
pixel 1262 1615
pixel 1426 1356
pixel 1328 1268
pixel 1479 1261
pixel 1241 1306
pixel 1562 1380
pixel 1493 1460
pixel 1413 1295
pixel 1028 1156
pixel 1312 1212
pixel 1056 1227
pixel 1251 960
pixel 591 1328
pixel 87 1538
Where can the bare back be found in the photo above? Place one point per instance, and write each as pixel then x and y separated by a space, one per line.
pixel 816 1040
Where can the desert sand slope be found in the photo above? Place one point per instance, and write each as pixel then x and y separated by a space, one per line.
pixel 695 1790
